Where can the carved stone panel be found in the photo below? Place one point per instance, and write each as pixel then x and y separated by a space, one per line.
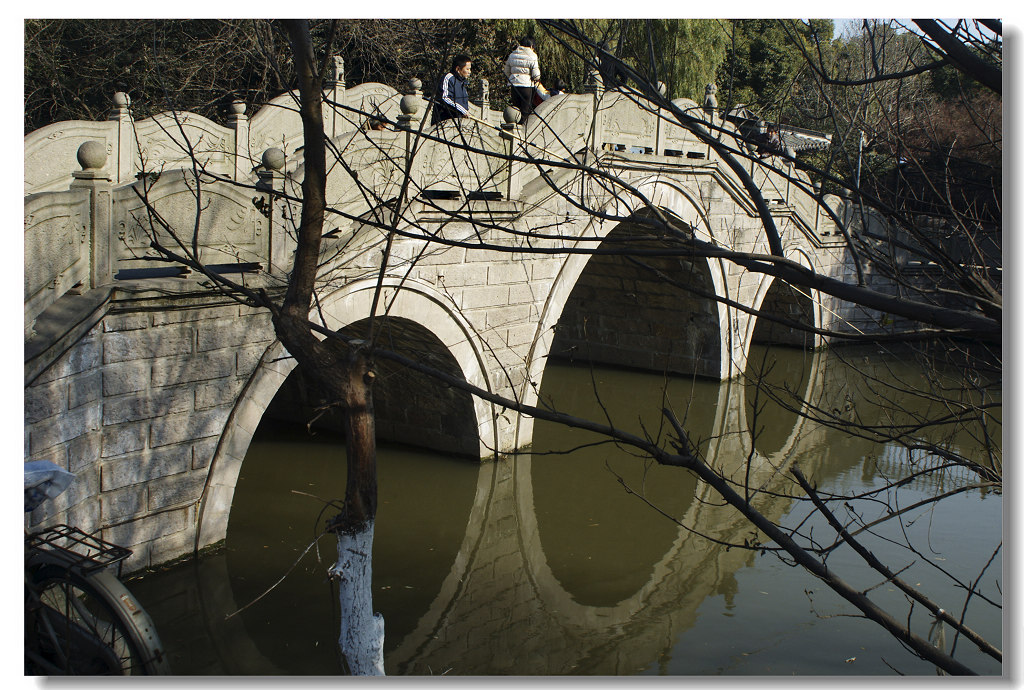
pixel 230 228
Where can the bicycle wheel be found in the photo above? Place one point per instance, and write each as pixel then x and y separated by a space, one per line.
pixel 86 625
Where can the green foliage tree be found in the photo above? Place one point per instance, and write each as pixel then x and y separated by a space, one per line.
pixel 763 62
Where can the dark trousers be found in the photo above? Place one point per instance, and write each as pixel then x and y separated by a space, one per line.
pixel 522 98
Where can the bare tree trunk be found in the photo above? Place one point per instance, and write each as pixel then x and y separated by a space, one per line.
pixel 347 379
pixel 362 630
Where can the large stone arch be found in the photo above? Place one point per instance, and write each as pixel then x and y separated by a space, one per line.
pixel 684 205
pixel 414 301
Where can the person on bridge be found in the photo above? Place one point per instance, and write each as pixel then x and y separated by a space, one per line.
pixel 523 72
pixel 452 100
pixel 772 143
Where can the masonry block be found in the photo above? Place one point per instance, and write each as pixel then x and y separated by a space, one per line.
pixel 179 489
pixel 157 403
pixel 126 377
pixel 521 335
pixel 446 257
pixel 125 322
pixel 84 388
pixel 203 366
pixel 179 428
pixel 45 401
pixel 247 358
pixel 124 438
pixel 171 546
pixel 222 333
pixel 543 269
pixel 498 317
pixel 84 515
pixel 504 273
pixel 488 256
pixel 478 297
pixel 63 428
pixel 121 504
pixel 84 356
pixel 171 316
pixel 140 467
pixel 461 275
pixel 134 345
pixel 203 451
pixel 215 393
pixel 148 528
pixel 528 293
pixel 83 451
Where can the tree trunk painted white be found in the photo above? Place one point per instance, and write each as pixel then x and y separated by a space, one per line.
pixel 362 630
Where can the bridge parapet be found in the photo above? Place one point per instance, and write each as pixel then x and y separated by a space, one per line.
pixel 164 141
pixel 57 248
pixel 465 160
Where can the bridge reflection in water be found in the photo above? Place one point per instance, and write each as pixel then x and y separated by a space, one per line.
pixel 539 565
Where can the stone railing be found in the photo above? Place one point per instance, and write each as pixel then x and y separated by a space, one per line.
pixel 171 140
pixel 99 225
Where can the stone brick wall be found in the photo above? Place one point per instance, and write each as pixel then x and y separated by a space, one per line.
pixel 135 409
pixel 625 315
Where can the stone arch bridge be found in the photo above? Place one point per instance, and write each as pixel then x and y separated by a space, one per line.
pixel 149 386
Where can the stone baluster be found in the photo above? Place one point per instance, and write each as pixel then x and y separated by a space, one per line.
pixel 484 101
pixel 817 197
pixel 271 180
pixel 411 105
pixel 512 133
pixel 239 121
pixel 661 124
pixel 92 156
pixel 125 148
pixel 336 92
pixel 593 83
pixel 413 108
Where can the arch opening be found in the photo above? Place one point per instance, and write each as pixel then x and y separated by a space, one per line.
pixel 791 310
pixel 428 471
pixel 779 367
pixel 636 333
pixel 652 313
pixel 409 408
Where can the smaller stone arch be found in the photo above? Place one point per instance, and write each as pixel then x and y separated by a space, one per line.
pixel 402 299
pixel 812 303
pixel 794 304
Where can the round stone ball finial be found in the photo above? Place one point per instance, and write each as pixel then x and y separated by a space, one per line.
pixel 237 107
pixel 273 159
pixel 410 104
pixel 92 155
pixel 122 100
pixel 512 115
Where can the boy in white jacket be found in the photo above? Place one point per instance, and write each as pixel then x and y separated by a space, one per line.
pixel 523 72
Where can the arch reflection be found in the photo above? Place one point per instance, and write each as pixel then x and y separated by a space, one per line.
pixel 599 541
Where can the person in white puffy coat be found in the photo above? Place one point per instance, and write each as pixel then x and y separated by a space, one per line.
pixel 522 72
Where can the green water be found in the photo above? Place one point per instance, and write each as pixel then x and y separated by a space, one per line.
pixel 546 564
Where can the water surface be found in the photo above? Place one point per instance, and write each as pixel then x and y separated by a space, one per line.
pixel 546 564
